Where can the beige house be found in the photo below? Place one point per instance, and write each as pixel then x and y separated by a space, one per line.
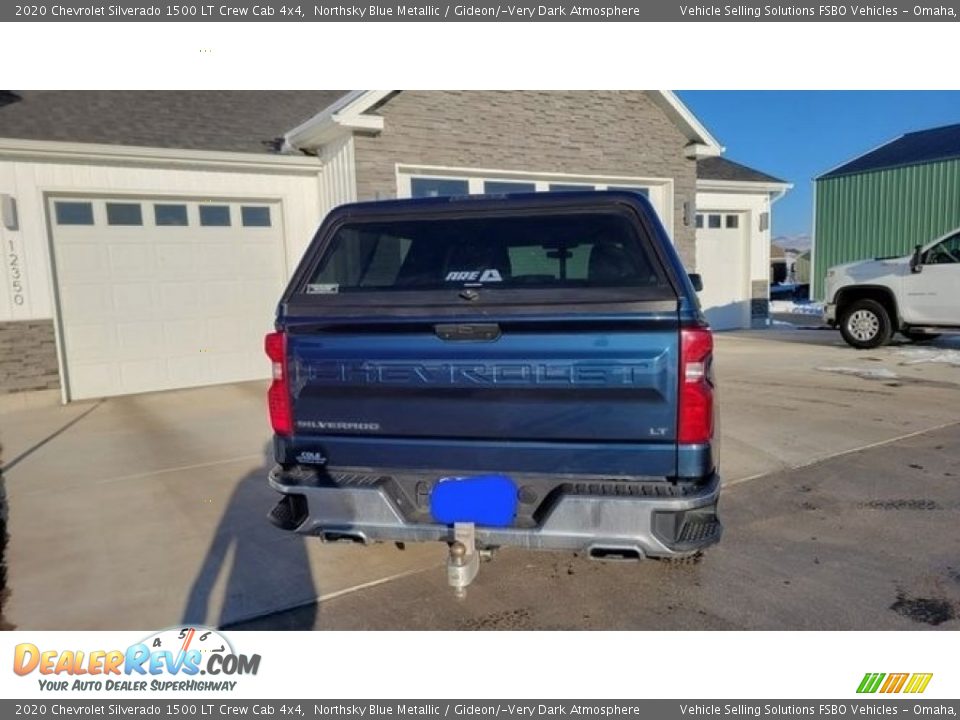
pixel 152 232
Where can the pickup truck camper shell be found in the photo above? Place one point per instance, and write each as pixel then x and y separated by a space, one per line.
pixel 526 370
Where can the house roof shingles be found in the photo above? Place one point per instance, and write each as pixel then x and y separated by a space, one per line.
pixel 249 121
pixel 719 168
pixel 923 146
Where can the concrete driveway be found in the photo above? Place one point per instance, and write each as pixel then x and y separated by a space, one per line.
pixel 149 510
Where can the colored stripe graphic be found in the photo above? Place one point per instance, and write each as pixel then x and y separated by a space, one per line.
pixel 894 683
pixel 870 682
pixel 186 642
pixel 918 682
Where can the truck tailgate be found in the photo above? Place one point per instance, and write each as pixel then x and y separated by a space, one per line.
pixel 590 382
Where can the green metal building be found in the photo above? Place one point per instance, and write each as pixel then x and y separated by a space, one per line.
pixel 883 203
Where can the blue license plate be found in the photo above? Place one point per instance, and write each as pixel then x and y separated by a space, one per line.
pixel 481 499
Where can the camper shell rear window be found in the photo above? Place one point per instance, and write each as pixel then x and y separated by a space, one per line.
pixel 492 255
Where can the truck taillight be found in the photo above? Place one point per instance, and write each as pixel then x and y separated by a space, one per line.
pixel 696 386
pixel 278 396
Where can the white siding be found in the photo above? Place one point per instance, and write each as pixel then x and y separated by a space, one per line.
pixel 297 190
pixel 339 175
pixel 14 305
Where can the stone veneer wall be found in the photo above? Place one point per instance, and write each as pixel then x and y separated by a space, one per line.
pixel 28 356
pixel 759 302
pixel 619 133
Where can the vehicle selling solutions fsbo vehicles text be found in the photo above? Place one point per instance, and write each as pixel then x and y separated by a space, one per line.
pixel 825 11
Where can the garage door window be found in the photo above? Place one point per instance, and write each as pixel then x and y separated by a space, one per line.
pixel 124 214
pixel 170 215
pixel 255 216
pixel 699 221
pixel 733 222
pixel 215 215
pixel 713 222
pixel 74 213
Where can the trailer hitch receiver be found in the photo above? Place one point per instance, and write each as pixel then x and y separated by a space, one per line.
pixel 463 562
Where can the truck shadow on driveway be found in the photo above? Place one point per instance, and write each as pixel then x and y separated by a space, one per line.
pixel 266 569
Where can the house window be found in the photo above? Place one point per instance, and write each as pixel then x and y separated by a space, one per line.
pixel 124 214
pixel 733 222
pixel 438 187
pixel 714 221
pixel 73 213
pixel 169 215
pixel 461 182
pixel 699 221
pixel 255 216
pixel 215 215
pixel 570 187
pixel 564 187
pixel 503 187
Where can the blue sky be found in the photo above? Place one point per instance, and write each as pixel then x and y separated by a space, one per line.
pixel 797 135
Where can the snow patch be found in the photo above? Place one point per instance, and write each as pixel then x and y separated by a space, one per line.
pixel 796 308
pixel 916 356
pixel 865 373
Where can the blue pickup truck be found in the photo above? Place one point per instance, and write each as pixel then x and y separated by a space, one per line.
pixel 526 370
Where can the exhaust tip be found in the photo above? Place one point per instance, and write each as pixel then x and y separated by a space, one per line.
pixel 619 554
pixel 332 536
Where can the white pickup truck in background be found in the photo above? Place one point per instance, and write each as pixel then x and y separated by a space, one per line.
pixel 917 295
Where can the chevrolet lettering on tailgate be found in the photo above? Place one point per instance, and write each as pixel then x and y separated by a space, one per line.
pixel 362 372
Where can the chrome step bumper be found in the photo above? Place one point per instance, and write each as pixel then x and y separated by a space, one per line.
pixel 630 525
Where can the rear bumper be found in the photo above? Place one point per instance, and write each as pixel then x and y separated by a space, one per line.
pixel 586 517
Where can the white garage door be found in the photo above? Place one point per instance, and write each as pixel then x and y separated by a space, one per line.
pixel 156 294
pixel 723 262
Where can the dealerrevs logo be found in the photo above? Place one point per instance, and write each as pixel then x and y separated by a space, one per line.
pixel 179 659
